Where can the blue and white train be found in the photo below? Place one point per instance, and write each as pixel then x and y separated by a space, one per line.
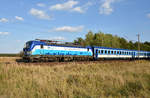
pixel 49 50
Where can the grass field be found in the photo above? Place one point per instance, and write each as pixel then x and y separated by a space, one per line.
pixel 9 55
pixel 113 79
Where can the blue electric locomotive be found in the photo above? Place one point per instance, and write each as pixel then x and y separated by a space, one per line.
pixel 48 49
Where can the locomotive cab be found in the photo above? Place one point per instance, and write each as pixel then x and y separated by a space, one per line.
pixel 27 48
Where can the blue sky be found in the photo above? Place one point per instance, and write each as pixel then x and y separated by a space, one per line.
pixel 23 20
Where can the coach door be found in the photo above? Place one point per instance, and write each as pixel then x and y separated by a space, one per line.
pixel 96 53
pixel 133 55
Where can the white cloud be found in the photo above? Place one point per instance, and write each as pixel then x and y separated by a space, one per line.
pixel 19 18
pixel 58 38
pixel 41 5
pixel 3 20
pixel 148 15
pixel 106 7
pixel 68 29
pixel 65 6
pixel 78 9
pixel 71 6
pixel 39 14
pixel 4 33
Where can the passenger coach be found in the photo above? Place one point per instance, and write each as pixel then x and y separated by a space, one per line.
pixel 113 53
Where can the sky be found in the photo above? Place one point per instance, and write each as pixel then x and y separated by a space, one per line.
pixel 66 20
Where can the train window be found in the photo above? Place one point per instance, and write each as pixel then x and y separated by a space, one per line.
pixel 42 46
pixel 99 51
pixel 108 52
pixel 111 52
pixel 102 51
pixel 105 51
pixel 118 52
pixel 114 52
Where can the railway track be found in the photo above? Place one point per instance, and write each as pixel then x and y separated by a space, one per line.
pixel 20 62
pixel 56 63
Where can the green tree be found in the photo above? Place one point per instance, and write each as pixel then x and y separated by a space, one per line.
pixel 109 40
pixel 123 43
pixel 98 39
pixel 89 38
pixel 80 41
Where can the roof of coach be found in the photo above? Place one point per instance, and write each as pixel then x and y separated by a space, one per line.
pixel 117 49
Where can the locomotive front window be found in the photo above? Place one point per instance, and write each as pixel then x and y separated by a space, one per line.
pixel 28 44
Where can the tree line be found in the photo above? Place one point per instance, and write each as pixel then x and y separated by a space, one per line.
pixel 109 40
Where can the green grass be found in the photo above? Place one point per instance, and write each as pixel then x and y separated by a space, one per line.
pixel 9 55
pixel 76 80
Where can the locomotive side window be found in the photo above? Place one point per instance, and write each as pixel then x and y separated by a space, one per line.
pixel 87 49
pixel 42 46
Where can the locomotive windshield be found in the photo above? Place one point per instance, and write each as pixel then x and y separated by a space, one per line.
pixel 28 44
